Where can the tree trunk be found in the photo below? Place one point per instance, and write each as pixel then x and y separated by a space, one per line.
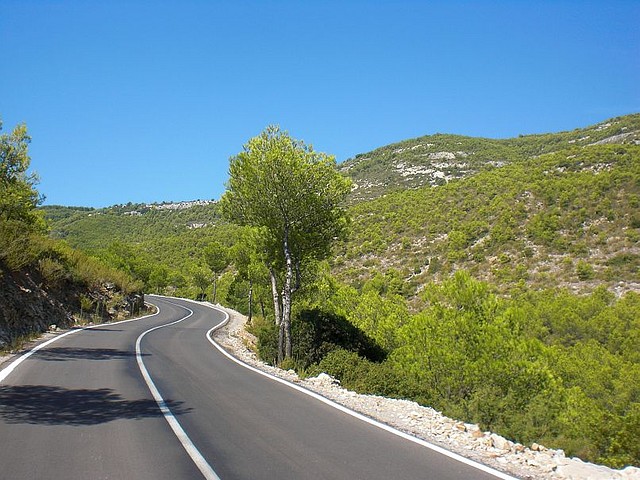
pixel 215 286
pixel 286 297
pixel 281 335
pixel 250 301
pixel 264 315
pixel 277 310
pixel 276 297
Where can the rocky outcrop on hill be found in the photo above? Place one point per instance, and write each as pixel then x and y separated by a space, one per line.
pixel 439 158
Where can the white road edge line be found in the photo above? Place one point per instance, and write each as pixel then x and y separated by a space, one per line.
pixel 12 366
pixel 193 452
pixel 342 408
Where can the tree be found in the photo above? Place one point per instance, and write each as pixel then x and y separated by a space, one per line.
pixel 294 195
pixel 248 258
pixel 200 278
pixel 217 257
pixel 18 196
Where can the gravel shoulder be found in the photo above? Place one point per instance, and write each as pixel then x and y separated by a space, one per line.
pixel 534 462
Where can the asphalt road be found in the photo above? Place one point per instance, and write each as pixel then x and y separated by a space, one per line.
pixel 80 408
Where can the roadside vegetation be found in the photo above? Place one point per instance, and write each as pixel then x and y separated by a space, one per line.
pixel 37 272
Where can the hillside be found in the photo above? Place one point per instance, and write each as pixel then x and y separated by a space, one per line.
pixel 440 158
pixel 562 219
pixel 539 210
pixel 160 244
pixel 93 229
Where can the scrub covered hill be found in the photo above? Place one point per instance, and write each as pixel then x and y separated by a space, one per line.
pixel 440 158
pixel 569 219
pixel 546 210
pixel 160 244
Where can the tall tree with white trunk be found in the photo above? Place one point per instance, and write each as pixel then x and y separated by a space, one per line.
pixel 294 195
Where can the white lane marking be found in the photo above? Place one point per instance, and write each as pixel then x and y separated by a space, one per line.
pixel 346 410
pixel 12 366
pixel 204 467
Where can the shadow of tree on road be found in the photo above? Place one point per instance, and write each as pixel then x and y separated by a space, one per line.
pixel 96 329
pixel 58 354
pixel 49 405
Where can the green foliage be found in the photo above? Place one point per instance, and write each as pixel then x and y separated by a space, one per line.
pixel 216 256
pixel 201 278
pixel 540 366
pixel 22 241
pixel 584 270
pixel 315 334
pixel 18 196
pixel 549 366
pixel 266 333
pixel 379 315
pixel 520 222
pixel 363 375
pixel 159 244
pixel 294 193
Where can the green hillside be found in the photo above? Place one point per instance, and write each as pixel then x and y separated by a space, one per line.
pixel 563 219
pixel 513 215
pixel 160 244
pixel 437 159
pixel 93 229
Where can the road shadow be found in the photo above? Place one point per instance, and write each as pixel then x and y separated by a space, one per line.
pixel 58 354
pixel 98 329
pixel 49 405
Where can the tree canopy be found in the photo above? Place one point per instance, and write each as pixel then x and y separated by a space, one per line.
pixel 18 196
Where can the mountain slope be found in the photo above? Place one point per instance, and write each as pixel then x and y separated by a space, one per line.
pixel 544 210
pixel 437 159
pixel 562 219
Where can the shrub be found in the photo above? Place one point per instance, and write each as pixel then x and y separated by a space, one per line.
pixel 584 270
pixel 317 332
pixel 52 271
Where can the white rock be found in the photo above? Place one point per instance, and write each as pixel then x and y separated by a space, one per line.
pixel 500 443
pixel 576 469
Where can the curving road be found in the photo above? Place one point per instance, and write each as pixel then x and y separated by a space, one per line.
pixel 83 407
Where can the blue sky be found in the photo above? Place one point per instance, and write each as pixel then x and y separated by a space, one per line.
pixel 146 101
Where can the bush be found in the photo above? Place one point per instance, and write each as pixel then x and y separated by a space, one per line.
pixel 52 271
pixel 316 333
pixel 266 333
pixel 364 376
pixel 584 271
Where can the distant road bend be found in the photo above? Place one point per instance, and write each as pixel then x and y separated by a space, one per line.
pixel 153 399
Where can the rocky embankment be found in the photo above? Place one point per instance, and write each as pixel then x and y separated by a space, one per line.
pixel 29 306
pixel 534 462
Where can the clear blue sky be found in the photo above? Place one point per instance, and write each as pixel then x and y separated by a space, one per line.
pixel 146 101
